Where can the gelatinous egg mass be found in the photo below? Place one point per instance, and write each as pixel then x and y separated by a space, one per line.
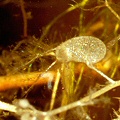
pixel 85 49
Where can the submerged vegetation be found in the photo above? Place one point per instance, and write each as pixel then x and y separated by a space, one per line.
pixel 61 90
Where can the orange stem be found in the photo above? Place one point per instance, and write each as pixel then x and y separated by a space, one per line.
pixel 20 80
